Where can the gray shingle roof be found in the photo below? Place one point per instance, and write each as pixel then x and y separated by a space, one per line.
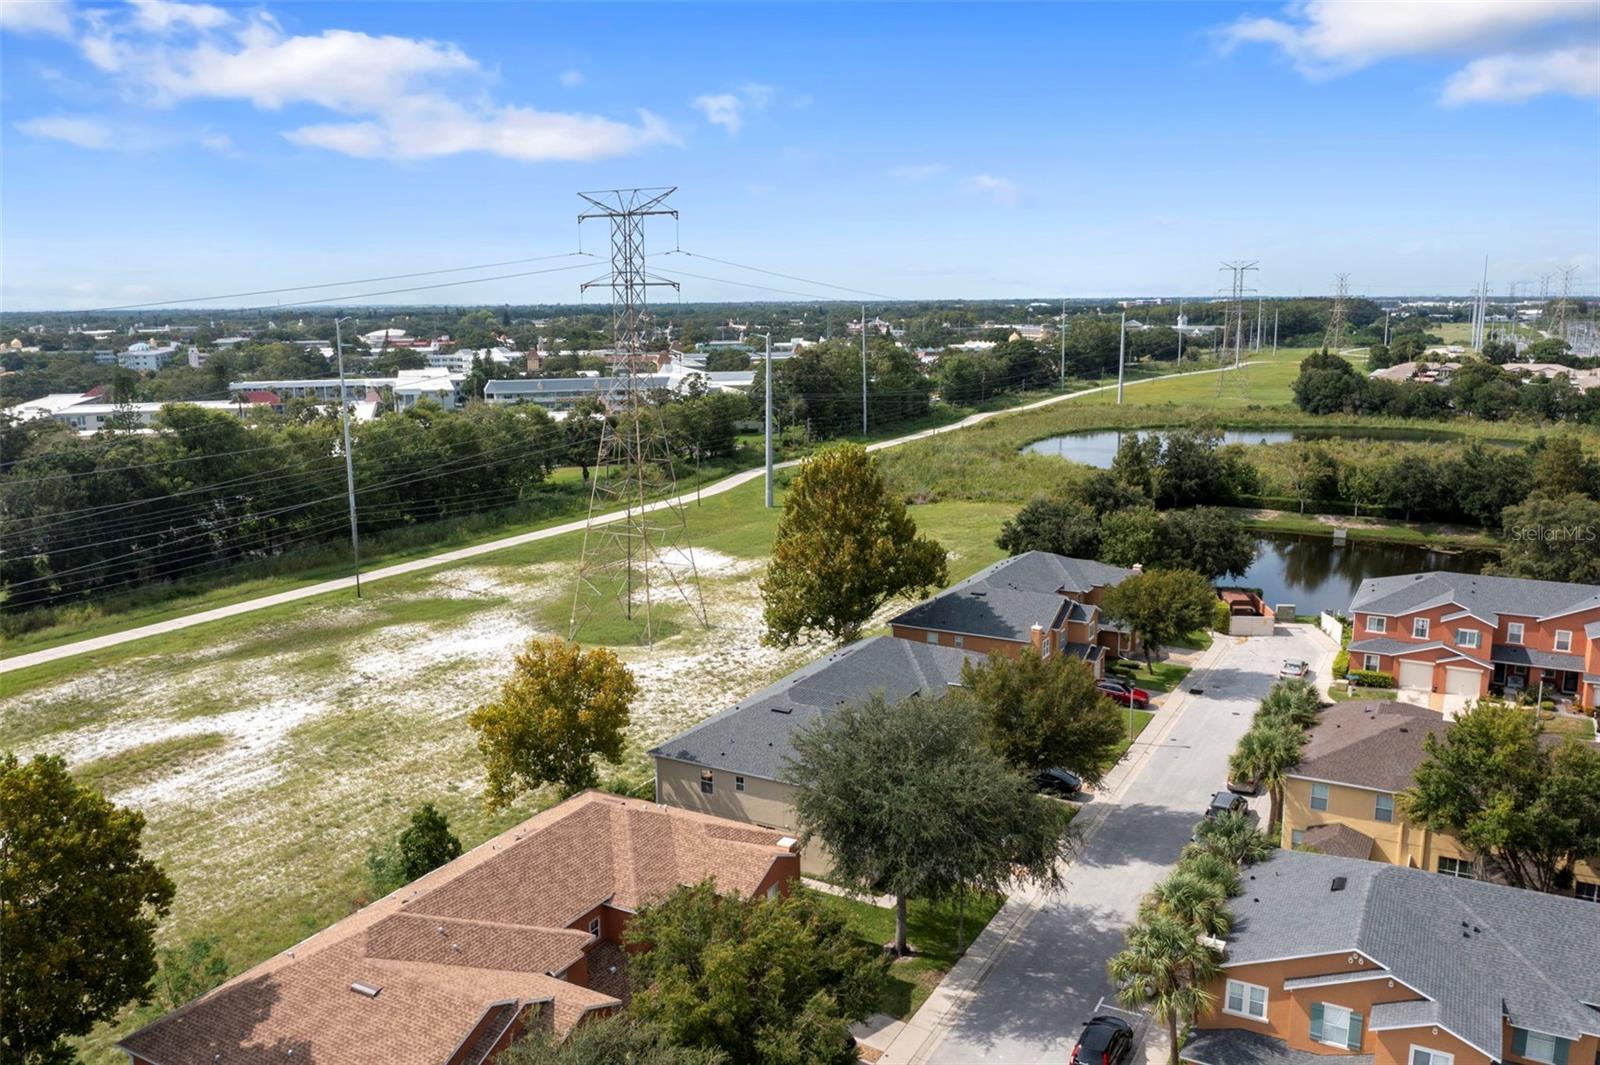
pixel 753 737
pixel 1471 947
pixel 1006 599
pixel 1369 744
pixel 1485 596
pixel 1388 645
pixel 1517 655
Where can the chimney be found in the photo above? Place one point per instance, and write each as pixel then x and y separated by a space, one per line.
pixel 1036 634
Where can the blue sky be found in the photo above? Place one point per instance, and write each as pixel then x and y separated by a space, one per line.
pixel 164 150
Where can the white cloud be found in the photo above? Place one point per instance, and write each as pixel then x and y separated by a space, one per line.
pixel 422 127
pixel 393 97
pixel 83 131
pixel 164 16
pixel 217 142
pixel 1516 49
pixel 571 79
pixel 728 109
pixel 1330 37
pixel 917 171
pixel 722 109
pixel 50 17
pixel 1514 78
pixel 1003 191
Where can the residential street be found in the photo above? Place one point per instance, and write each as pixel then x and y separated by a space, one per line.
pixel 1023 996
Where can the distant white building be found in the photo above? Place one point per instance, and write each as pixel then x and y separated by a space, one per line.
pixel 144 356
pixel 460 361
pixel 379 338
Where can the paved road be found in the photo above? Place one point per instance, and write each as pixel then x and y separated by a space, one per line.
pixel 97 643
pixel 1049 976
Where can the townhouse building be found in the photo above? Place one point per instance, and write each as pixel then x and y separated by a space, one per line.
pixel 1039 601
pixel 522 933
pixel 1348 961
pixel 1469 635
pixel 1343 797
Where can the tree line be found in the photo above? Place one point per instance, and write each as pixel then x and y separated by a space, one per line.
pixel 1479 389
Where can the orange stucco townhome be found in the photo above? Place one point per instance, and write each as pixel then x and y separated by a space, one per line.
pixel 1469 635
pixel 1050 603
pixel 1352 962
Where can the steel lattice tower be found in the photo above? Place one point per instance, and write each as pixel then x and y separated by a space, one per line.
pixel 1233 324
pixel 635 556
pixel 1334 339
pixel 1564 308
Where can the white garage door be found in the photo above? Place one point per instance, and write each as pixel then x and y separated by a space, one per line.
pixel 1462 681
pixel 1417 675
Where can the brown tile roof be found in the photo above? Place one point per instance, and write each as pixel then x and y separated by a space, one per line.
pixel 1369 744
pixel 482 931
pixel 1341 841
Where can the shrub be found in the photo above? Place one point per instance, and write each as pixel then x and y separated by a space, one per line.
pixel 1219 616
pixel 1372 678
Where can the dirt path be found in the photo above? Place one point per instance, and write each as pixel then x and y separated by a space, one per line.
pixel 97 643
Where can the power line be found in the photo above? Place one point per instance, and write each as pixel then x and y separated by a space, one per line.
pixel 789 277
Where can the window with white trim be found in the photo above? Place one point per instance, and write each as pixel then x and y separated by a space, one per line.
pixel 1246 1000
pixel 1377 624
pixel 1335 1026
pixel 1588 892
pixel 738 783
pixel 1537 1046
pixel 1369 663
pixel 1563 640
pixel 1514 632
pixel 1383 807
pixel 1319 796
pixel 1419 628
pixel 707 784
pixel 1427 1056
pixel 960 640
pixel 933 637
pixel 1457 867
pixel 1297 838
pixel 1468 638
pixel 594 926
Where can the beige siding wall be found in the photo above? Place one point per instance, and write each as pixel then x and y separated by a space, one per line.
pixel 762 802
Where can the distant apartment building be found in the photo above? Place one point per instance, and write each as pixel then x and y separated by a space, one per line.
pixel 1039 601
pixel 91 417
pixel 1468 635
pixel 523 933
pixel 1347 962
pixel 407 387
pixel 144 356
pixel 1343 798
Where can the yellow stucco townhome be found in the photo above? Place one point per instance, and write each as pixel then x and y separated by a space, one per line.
pixel 1343 797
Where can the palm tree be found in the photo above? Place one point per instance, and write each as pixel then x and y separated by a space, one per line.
pixel 1234 839
pixel 1212 867
pixel 1296 700
pixel 1266 754
pixel 1164 966
pixel 1198 902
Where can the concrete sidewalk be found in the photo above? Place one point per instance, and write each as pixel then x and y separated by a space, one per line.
pixel 98 643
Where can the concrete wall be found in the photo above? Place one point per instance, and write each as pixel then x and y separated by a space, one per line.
pixel 1248 625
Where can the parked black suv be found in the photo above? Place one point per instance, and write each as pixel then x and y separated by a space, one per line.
pixel 1060 782
pixel 1105 1041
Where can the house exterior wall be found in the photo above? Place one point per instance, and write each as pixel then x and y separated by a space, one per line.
pixel 768 803
pixel 985 645
pixel 1398 842
pixel 1393 1047
pixel 1579 1051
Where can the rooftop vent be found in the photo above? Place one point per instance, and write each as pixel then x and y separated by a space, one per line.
pixel 779 708
pixel 365 989
pixel 787 842
pixel 1338 884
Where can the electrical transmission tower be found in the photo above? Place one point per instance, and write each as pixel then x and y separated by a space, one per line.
pixel 1233 323
pixel 639 556
pixel 1564 308
pixel 1334 340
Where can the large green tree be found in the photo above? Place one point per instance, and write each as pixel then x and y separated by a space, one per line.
pixel 1209 541
pixel 1161 606
pixel 562 708
pixel 910 800
pixel 427 842
pixel 844 547
pixel 1531 807
pixel 1552 539
pixel 79 903
pixel 770 980
pixel 621 1039
pixel 1059 526
pixel 1043 713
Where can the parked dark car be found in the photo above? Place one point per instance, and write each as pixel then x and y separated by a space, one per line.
pixel 1118 690
pixel 1224 802
pixel 1105 1041
pixel 1062 782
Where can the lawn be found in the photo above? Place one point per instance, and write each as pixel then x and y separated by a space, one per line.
pixel 1341 693
pixel 1163 677
pixel 270 751
pixel 1137 720
pixel 1567 725
pixel 931 930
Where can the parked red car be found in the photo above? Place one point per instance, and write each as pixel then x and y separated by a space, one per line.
pixel 1118 690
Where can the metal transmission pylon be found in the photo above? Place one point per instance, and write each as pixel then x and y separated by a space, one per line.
pixel 1564 308
pixel 1233 324
pixel 641 555
pixel 1334 339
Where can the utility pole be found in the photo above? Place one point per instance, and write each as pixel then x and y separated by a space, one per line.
pixel 1180 330
pixel 349 459
pixel 1063 344
pixel 1385 328
pixel 769 421
pixel 1122 347
pixel 1274 330
pixel 1259 324
pixel 863 369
